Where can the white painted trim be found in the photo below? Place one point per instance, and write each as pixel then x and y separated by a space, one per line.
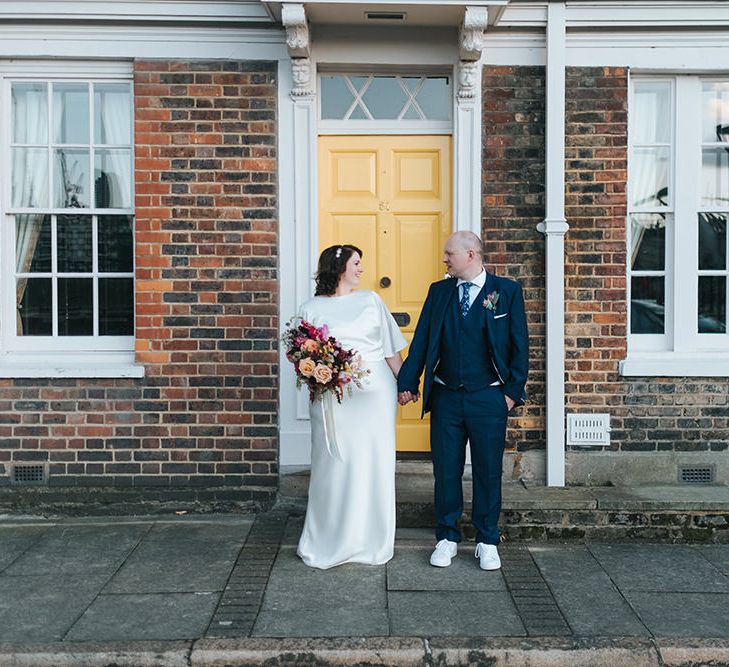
pixel 218 11
pixel 554 228
pixel 467 159
pixel 121 41
pixel 673 364
pixel 383 127
pixel 87 365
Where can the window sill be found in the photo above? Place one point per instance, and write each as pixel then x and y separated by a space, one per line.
pixel 63 365
pixel 673 364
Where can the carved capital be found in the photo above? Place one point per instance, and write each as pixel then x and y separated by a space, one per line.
pixel 471 39
pixel 301 70
pixel 467 73
pixel 293 18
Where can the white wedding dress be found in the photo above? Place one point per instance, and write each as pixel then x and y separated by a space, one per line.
pixel 350 517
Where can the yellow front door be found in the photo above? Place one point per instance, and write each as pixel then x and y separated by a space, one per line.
pixel 391 197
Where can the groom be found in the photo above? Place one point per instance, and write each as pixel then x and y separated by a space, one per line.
pixel 472 340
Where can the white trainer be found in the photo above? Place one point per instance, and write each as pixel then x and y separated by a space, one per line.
pixel 445 550
pixel 488 556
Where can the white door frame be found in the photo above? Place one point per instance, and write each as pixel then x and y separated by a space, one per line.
pixel 298 183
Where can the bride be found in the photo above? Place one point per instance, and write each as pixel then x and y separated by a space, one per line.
pixel 350 516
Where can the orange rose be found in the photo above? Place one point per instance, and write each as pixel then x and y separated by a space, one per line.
pixel 310 345
pixel 322 374
pixel 306 367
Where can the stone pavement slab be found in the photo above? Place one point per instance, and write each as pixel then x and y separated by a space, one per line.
pixel 70 549
pixel 682 614
pixel 181 558
pixel 44 607
pixel 590 602
pixel 659 567
pixel 15 540
pixel 410 570
pixel 170 616
pixel 354 621
pixel 717 555
pixel 437 613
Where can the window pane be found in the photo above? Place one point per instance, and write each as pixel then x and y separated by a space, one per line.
pixel 649 177
pixel 712 304
pixel 652 117
pixel 336 97
pixel 71 178
pixel 412 113
pixel 712 240
pixel 358 113
pixel 116 306
pixel 647 305
pixel 73 243
pixel 30 177
pixel 112 114
pixel 715 107
pixel 434 98
pixel 648 242
pixel 75 307
pixel 116 244
pixel 30 113
pixel 33 244
pixel 715 177
pixel 385 97
pixel 71 113
pixel 113 178
pixel 34 299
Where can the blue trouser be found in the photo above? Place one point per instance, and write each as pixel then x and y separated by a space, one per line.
pixel 480 418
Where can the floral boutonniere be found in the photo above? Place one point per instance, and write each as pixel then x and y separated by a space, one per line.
pixel 492 298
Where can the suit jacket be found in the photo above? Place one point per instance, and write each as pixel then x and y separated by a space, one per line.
pixel 506 339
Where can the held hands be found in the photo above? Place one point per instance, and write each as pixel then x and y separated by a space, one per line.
pixel 404 397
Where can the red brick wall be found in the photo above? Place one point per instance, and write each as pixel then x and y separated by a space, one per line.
pixel 205 414
pixel 513 205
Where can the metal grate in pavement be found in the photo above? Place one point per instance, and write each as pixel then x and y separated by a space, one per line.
pixel 532 597
pixel 243 594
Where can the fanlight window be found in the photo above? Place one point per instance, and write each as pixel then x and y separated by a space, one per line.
pixel 385 97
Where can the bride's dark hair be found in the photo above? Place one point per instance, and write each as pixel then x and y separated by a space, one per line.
pixel 332 263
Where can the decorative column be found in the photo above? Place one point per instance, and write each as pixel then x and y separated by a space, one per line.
pixel 303 170
pixel 467 122
pixel 554 229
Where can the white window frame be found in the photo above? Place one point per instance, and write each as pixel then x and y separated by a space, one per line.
pixel 55 356
pixel 681 350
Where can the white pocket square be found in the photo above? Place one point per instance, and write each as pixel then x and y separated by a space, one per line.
pixel 496 317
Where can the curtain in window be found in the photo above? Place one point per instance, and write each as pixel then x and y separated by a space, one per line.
pixel 115 115
pixel 30 185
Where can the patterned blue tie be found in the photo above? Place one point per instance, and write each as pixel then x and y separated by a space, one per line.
pixel 465 299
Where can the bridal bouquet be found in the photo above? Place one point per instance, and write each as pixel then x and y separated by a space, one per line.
pixel 320 361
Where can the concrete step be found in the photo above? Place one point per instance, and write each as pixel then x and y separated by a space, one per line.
pixel 667 513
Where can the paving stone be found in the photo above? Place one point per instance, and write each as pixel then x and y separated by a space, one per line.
pixel 358 621
pixel 683 614
pixel 156 616
pixel 447 613
pixel 181 558
pixel 717 555
pixel 43 607
pixel 591 604
pixel 294 586
pixel 659 567
pixel 15 540
pixel 73 549
pixel 410 570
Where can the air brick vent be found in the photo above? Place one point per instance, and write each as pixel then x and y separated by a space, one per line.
pixel 697 474
pixel 588 429
pixel 27 474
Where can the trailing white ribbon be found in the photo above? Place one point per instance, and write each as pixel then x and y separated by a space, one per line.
pixel 330 433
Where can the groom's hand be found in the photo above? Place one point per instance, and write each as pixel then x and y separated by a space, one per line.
pixel 404 397
pixel 510 402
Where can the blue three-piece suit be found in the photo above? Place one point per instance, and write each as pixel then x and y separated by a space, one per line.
pixel 472 359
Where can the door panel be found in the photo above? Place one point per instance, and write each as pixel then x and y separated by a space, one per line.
pixel 390 196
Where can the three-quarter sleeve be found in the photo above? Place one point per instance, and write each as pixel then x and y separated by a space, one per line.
pixel 391 337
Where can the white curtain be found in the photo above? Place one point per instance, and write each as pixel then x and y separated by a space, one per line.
pixel 29 179
pixel 651 123
pixel 116 117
